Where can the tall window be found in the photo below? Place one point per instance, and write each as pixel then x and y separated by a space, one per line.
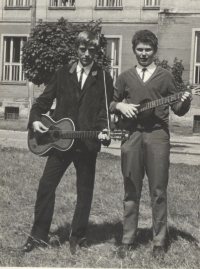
pixel 151 3
pixel 18 3
pixel 113 50
pixel 196 78
pixel 12 66
pixel 109 3
pixel 62 3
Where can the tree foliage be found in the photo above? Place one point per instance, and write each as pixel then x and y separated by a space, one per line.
pixel 176 69
pixel 51 45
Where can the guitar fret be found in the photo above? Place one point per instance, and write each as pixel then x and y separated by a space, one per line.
pixel 84 134
pixel 161 101
pixel 80 134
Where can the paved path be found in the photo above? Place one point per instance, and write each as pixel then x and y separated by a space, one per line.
pixel 184 149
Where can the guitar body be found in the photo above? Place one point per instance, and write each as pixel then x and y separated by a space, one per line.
pixel 41 143
pixel 124 123
pixel 61 135
pixel 146 109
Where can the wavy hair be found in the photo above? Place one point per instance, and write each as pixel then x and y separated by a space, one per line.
pixel 147 37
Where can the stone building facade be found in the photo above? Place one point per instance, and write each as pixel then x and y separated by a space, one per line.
pixel 176 23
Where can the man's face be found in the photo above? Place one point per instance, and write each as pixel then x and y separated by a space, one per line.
pixel 86 54
pixel 144 54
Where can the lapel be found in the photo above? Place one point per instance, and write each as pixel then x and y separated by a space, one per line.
pixel 72 71
pixel 74 79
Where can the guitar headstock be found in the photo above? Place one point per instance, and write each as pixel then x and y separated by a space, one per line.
pixel 120 135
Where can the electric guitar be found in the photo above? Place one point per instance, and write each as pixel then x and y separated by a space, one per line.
pixel 147 107
pixel 61 135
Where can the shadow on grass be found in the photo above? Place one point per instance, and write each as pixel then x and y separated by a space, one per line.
pixel 112 233
pixel 174 235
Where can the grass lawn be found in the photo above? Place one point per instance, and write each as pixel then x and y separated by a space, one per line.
pixel 20 172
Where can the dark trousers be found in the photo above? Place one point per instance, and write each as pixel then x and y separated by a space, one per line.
pixel 56 166
pixel 146 152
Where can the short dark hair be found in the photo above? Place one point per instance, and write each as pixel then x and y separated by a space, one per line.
pixel 87 38
pixel 147 37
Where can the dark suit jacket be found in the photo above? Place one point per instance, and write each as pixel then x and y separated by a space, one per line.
pixel 86 107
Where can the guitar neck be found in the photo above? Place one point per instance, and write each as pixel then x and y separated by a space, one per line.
pixel 159 102
pixel 80 134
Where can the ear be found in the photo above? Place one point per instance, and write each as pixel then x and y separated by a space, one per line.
pixel 133 49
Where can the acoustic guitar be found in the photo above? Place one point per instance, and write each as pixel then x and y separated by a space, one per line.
pixel 61 135
pixel 146 108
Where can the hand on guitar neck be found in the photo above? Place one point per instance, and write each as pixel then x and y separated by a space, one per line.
pixel 186 98
pixel 41 128
pixel 104 135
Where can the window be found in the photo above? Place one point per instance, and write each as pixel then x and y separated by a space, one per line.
pixel 18 3
pixel 113 50
pixel 109 3
pixel 12 66
pixel 62 3
pixel 152 3
pixel 196 124
pixel 196 79
pixel 11 113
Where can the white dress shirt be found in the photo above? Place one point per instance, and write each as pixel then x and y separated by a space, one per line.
pixel 85 73
pixel 148 73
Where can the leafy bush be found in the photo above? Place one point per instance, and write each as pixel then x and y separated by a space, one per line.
pixel 51 45
pixel 176 69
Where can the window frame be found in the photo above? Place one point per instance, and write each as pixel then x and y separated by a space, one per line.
pixel 152 6
pixel 11 112
pixel 97 7
pixel 193 63
pixel 15 7
pixel 9 82
pixel 50 7
pixel 120 51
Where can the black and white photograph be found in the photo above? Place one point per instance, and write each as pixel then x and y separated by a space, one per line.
pixel 100 134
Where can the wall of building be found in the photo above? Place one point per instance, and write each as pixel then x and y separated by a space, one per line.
pixel 181 5
pixel 121 22
pixel 13 94
pixel 173 26
pixel 175 37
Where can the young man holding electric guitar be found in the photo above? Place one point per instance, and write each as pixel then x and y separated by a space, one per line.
pixel 82 91
pixel 148 147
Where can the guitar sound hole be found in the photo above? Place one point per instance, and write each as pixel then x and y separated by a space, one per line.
pixel 56 134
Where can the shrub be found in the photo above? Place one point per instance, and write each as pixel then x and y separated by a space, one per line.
pixel 51 45
pixel 176 69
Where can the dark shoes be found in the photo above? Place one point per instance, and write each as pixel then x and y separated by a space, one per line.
pixel 125 250
pixel 31 244
pixel 77 242
pixel 159 252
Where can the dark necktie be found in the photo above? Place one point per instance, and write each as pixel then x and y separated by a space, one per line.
pixel 81 77
pixel 143 71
